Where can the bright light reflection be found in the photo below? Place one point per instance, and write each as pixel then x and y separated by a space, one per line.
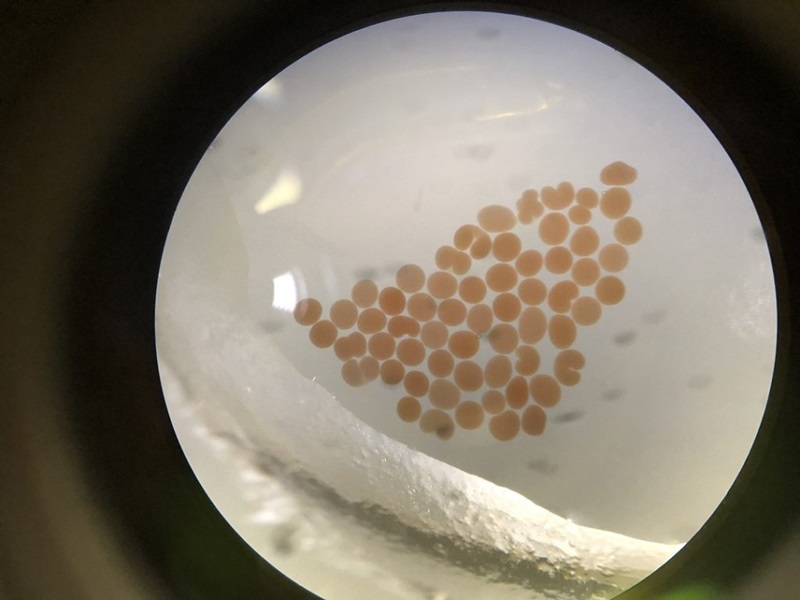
pixel 515 113
pixel 284 296
pixel 272 91
pixel 286 190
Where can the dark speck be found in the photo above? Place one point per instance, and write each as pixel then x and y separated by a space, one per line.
pixel 613 394
pixel 478 152
pixel 272 326
pixel 443 430
pixel 543 466
pixel 366 273
pixel 699 382
pixel 625 338
pixel 392 268
pixel 569 417
pixel 264 464
pixel 284 539
pixel 489 33
pixel 654 316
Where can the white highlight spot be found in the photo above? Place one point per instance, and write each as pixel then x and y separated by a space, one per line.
pixel 272 91
pixel 286 190
pixel 284 296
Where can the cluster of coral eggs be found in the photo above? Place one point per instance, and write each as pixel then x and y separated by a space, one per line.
pixel 425 332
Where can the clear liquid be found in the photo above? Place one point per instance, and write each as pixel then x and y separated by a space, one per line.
pixel 370 154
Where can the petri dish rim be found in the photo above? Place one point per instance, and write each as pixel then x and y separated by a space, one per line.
pixel 720 514
pixel 710 523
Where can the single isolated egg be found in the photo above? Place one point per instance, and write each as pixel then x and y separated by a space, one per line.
pixel 435 292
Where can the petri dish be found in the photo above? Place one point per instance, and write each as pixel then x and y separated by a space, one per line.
pixel 466 305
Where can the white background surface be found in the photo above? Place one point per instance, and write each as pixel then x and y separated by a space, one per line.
pixel 400 133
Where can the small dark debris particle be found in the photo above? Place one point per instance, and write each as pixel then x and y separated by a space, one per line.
pixel 613 394
pixel 489 33
pixel 479 152
pixel 625 338
pixel 569 417
pixel 543 466
pixel 366 273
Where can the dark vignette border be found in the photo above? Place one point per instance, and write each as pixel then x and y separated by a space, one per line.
pixel 115 400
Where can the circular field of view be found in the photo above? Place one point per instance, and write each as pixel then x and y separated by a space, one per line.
pixel 466 305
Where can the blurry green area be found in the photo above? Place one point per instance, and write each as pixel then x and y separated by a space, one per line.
pixel 693 592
